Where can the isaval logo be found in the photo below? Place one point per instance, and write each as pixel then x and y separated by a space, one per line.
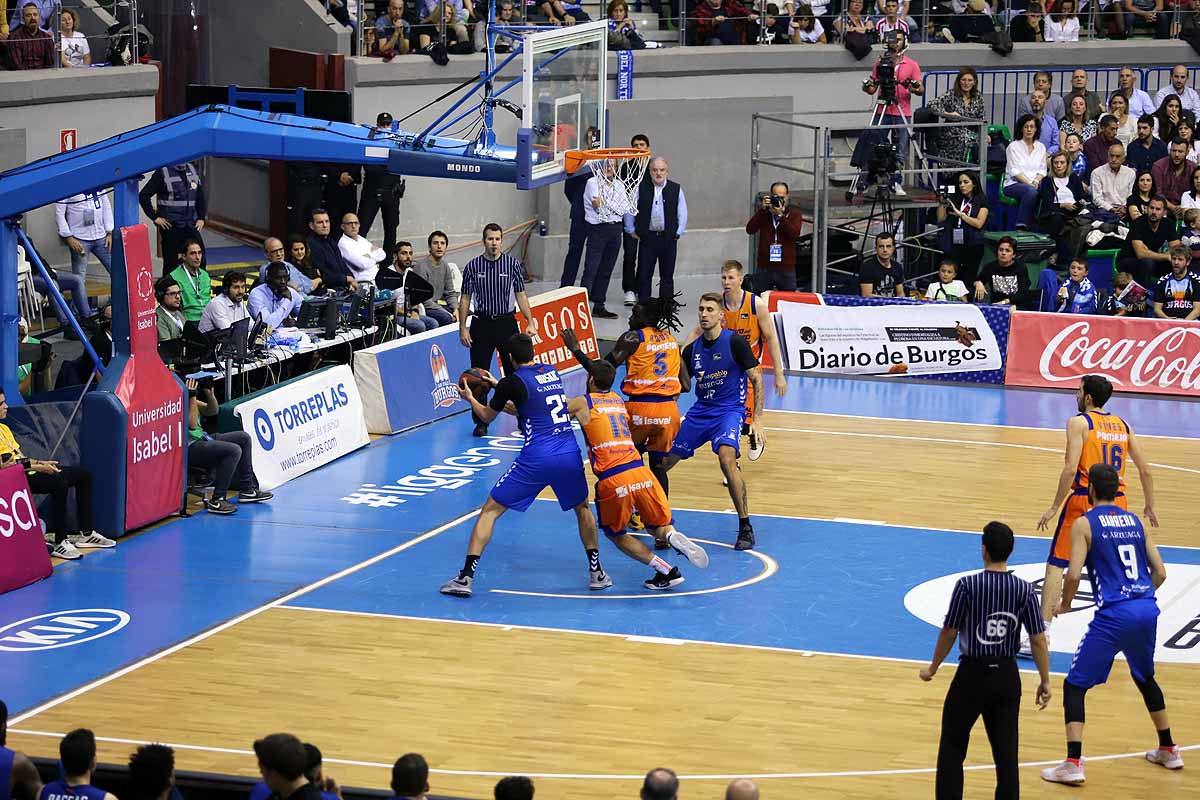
pixel 263 430
pixel 445 392
pixel 61 629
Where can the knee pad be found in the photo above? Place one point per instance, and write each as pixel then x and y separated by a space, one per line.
pixel 1152 694
pixel 1073 702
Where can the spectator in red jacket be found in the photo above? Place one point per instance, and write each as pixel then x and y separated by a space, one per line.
pixel 722 22
pixel 778 227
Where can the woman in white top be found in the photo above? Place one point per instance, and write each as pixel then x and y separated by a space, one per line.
pixel 1186 130
pixel 1118 106
pixel 806 28
pixel 1063 23
pixel 1025 166
pixel 1191 198
pixel 75 50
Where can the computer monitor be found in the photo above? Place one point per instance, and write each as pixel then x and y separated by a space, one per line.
pixel 311 312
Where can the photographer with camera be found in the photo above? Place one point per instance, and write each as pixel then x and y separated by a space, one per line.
pixel 778 227
pixel 896 78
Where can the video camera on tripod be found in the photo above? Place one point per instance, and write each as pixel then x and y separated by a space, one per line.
pixel 885 70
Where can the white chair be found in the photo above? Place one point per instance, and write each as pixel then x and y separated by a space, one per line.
pixel 29 302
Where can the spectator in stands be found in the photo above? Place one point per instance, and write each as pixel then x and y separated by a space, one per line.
pixel 660 784
pixel 1128 298
pixel 1166 119
pixel 1144 190
pixel 274 251
pixel 1188 27
pixel 193 280
pixel 1030 26
pixel 1146 148
pixel 879 275
pixel 623 32
pixel 963 101
pixel 227 307
pixel 1173 174
pixel 1186 131
pixel 972 24
pixel 446 11
pixel 168 314
pixel 563 12
pixel 1118 106
pixel 1177 294
pixel 1189 236
pixel 806 28
pixel 229 455
pixel 1025 166
pixel 720 22
pixel 23 780
pixel 49 477
pixel 152 772
pixel 29 47
pixel 855 29
pixel 947 288
pixel 414 317
pixel 1054 106
pixel 85 223
pixel 1095 149
pixel 1073 147
pixel 443 306
pixel 1004 281
pixel 1139 102
pixel 963 217
pixel 313 773
pixel 1076 121
pixel 1147 14
pixel 1079 88
pixel 1063 23
pixel 1191 198
pixel 410 777
pixel 77 756
pixel 46 11
pixel 282 760
pixel 392 31
pixel 775 266
pixel 659 224
pixel 1111 186
pixel 299 256
pixel 1060 202
pixel 505 13
pixel 1048 135
pixel 891 20
pixel 1076 295
pixel 74 49
pixel 362 257
pixel 179 209
pixel 741 789
pixel 325 254
pixel 274 301
pixel 1149 236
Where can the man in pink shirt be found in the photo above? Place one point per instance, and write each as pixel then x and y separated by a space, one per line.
pixel 908 83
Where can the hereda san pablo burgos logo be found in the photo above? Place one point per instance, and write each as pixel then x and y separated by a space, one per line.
pixel 445 392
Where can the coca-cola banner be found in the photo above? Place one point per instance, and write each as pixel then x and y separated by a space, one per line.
pixel 1137 355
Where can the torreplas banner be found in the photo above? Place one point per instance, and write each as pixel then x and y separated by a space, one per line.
pixel 944 341
pixel 303 425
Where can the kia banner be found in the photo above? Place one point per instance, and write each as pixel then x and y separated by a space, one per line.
pixel 23 557
pixel 1138 355
pixel 555 310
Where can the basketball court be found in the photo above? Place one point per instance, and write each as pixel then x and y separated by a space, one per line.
pixel 318 613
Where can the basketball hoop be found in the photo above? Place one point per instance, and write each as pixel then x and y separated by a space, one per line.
pixel 619 171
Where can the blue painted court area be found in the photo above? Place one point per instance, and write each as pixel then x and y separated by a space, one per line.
pixel 814 585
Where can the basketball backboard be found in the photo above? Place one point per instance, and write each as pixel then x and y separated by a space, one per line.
pixel 565 87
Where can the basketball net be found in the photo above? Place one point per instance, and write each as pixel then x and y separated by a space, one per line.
pixel 618 174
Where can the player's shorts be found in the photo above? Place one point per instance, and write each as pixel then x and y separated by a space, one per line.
pixel 1076 506
pixel 653 424
pixel 716 426
pixel 522 482
pixel 1128 627
pixel 625 488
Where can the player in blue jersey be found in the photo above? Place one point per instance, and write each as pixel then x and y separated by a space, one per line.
pixel 722 366
pixel 19 779
pixel 550 457
pixel 1125 569
pixel 77 754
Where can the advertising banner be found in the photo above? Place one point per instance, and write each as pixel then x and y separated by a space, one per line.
pixel 411 381
pixel 908 339
pixel 555 310
pixel 303 425
pixel 624 74
pixel 23 557
pixel 1138 355
pixel 773 299
pixel 151 396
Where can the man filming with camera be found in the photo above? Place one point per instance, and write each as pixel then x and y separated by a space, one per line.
pixel 896 78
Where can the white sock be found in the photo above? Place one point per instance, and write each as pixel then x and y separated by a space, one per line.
pixel 660 566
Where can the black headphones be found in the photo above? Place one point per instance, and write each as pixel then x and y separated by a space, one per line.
pixel 161 286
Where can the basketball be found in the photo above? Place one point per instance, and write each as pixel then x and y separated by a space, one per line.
pixel 475 381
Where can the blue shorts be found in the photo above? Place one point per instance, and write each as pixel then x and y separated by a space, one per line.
pixel 1128 627
pixel 719 426
pixel 520 485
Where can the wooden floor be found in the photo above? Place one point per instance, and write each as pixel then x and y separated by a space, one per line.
pixel 487 699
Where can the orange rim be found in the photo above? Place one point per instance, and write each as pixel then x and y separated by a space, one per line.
pixel 574 159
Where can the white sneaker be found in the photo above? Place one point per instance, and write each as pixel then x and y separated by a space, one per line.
pixel 898 190
pixel 91 539
pixel 948 36
pixel 1168 757
pixel 66 550
pixel 1067 772
pixel 689 549
pixel 630 298
pixel 757 446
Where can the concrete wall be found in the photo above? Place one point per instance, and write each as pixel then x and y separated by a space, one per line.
pixel 239 40
pixel 98 103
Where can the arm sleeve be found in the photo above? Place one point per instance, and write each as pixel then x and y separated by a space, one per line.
pixel 448 292
pixel 756 221
pixel 147 193
pixel 791 224
pixel 960 602
pixel 509 388
pixel 683 215
pixel 740 349
pixel 518 277
pixel 106 212
pixel 60 217
pixel 1031 614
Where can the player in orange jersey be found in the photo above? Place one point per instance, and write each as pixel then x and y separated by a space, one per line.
pixel 1094 436
pixel 747 315
pixel 623 483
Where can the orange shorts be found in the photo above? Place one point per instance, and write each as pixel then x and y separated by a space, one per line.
pixel 635 488
pixel 1076 506
pixel 653 425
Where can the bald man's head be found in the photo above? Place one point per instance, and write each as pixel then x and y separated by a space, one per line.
pixel 741 789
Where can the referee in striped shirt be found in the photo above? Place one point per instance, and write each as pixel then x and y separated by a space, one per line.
pixel 492 281
pixel 986 613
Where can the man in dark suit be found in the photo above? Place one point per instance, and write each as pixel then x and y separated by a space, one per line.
pixel 660 221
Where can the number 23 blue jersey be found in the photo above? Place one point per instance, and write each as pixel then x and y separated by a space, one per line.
pixel 543 416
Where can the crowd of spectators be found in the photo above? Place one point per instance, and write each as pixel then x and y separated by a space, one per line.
pixel 41 34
